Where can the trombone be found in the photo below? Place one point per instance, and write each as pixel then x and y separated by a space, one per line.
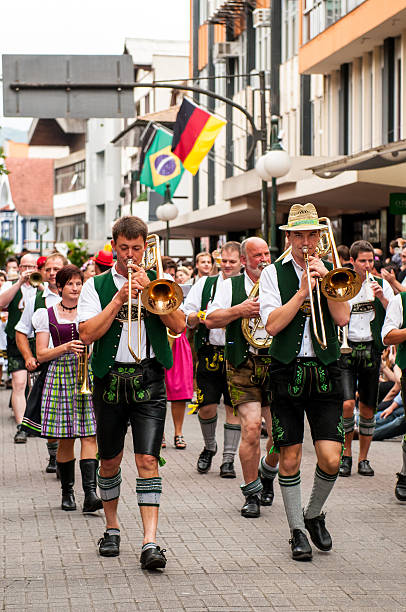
pixel 340 284
pixel 161 297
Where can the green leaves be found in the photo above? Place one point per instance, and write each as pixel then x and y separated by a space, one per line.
pixel 2 166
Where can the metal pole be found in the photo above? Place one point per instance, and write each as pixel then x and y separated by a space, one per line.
pixel 274 190
pixel 264 185
pixel 167 239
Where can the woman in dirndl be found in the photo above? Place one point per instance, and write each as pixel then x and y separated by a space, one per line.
pixel 66 413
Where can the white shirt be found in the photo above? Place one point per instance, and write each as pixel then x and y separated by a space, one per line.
pixel 193 304
pixel 25 325
pixel 223 299
pixel 270 300
pixel 27 290
pixel 394 315
pixel 40 321
pixel 89 306
pixel 359 329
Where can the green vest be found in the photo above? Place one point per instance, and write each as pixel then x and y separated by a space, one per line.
pixel 401 352
pixel 39 300
pixel 105 349
pixel 14 315
pixel 286 345
pixel 202 333
pixel 377 322
pixel 236 349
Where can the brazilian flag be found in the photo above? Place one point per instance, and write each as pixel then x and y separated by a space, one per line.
pixel 159 166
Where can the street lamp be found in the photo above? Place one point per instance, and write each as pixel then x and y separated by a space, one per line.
pixel 270 166
pixel 167 212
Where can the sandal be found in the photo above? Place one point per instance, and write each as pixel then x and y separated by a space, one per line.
pixel 163 443
pixel 179 442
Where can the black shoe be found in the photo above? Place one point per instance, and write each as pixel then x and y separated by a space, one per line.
pixel 400 489
pixel 153 558
pixel 301 549
pixel 251 508
pixel 365 469
pixel 109 545
pixel 227 470
pixel 21 436
pixel 205 459
pixel 88 469
pixel 345 466
pixel 318 532
pixel 51 467
pixel 67 473
pixel 267 493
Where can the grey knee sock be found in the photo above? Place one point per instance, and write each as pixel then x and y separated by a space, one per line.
pixel 322 486
pixel 267 471
pixel 232 434
pixel 292 500
pixel 403 470
pixel 208 427
pixel 366 426
pixel 52 448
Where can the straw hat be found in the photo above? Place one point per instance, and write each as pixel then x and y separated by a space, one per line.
pixel 303 217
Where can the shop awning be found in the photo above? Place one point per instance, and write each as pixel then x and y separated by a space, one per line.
pixel 378 157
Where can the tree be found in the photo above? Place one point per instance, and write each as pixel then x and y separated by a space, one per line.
pixel 78 252
pixel 6 249
pixel 2 166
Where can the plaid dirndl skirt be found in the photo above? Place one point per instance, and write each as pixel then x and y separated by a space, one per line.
pixel 65 412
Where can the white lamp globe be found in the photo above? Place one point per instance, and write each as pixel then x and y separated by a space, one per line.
pixel 260 168
pixel 167 212
pixel 277 163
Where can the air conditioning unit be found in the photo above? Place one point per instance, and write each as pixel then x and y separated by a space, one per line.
pixel 224 50
pixel 261 18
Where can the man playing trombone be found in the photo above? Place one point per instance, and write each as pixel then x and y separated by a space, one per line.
pixel 304 375
pixel 128 367
pixel 361 365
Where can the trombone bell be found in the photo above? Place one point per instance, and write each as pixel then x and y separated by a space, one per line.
pixel 162 296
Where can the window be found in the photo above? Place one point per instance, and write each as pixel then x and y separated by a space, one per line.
pixel 289 29
pixel 68 228
pixel 320 14
pixel 70 178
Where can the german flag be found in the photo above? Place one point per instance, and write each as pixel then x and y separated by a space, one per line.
pixel 194 134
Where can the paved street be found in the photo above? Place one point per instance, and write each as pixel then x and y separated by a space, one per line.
pixel 217 560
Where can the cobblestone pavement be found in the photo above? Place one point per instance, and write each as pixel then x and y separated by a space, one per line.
pixel 217 560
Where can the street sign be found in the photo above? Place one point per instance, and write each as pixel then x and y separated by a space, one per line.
pixel 77 86
pixel 397 203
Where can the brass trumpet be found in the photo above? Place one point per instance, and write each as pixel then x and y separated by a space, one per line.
pixel 161 297
pixel 35 279
pixel 83 373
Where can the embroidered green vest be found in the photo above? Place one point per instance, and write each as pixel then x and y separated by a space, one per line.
pixel 105 349
pixel 236 349
pixel 401 352
pixel 286 345
pixel 14 315
pixel 377 322
pixel 39 301
pixel 202 333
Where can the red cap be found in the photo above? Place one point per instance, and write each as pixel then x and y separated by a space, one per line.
pixel 41 261
pixel 104 258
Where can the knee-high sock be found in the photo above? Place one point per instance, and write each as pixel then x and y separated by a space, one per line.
pixel 292 500
pixel 52 448
pixel 267 471
pixel 232 435
pixel 366 426
pixel 149 491
pixel 208 427
pixel 322 486
pixel 403 470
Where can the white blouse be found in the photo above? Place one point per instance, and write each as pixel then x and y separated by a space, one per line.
pixel 40 322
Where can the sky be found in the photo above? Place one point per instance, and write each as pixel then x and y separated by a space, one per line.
pixel 86 27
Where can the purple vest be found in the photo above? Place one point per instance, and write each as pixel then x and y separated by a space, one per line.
pixel 61 332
